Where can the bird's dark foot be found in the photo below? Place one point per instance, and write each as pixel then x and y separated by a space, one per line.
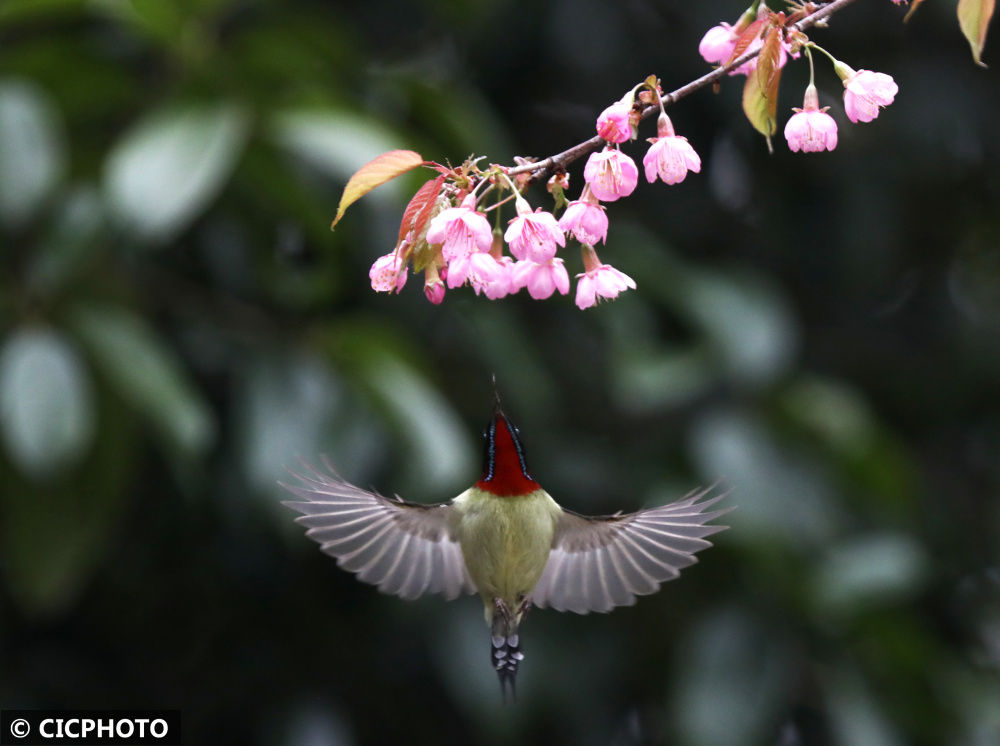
pixel 523 607
pixel 501 610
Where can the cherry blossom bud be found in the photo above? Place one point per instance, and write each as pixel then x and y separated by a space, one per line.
pixel 717 44
pixel 557 183
pixel 613 123
pixel 541 278
pixel 865 92
pixel 670 156
pixel 460 230
pixel 388 273
pixel 601 282
pixel 433 285
pixel 533 235
pixel 811 129
pixel 611 174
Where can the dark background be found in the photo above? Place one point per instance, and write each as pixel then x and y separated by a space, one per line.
pixel 178 327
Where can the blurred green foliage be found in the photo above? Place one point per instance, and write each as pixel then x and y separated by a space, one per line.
pixel 178 328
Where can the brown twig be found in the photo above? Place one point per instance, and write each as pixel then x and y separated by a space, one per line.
pixel 543 168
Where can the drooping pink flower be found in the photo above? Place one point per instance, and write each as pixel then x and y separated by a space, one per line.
pixel 613 123
pixel 504 283
pixel 811 129
pixel 670 156
pixel 478 268
pixel 865 92
pixel 388 273
pixel 717 44
pixel 601 282
pixel 611 174
pixel 533 235
pixel 460 230
pixel 541 278
pixel 586 221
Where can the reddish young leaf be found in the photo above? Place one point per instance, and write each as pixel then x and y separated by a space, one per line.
pixel 376 172
pixel 746 39
pixel 760 94
pixel 974 18
pixel 913 9
pixel 419 210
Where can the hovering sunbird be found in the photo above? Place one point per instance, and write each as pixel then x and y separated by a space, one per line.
pixel 506 539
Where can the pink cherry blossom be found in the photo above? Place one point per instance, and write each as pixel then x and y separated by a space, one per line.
pixel 479 268
pixel 460 230
pixel 865 92
pixel 601 282
pixel 533 235
pixel 541 279
pixel 670 156
pixel 613 123
pixel 388 273
pixel 811 129
pixel 717 44
pixel 611 174
pixel 503 285
pixel 586 221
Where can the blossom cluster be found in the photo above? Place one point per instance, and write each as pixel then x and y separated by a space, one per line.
pixel 466 250
pixel 448 236
pixel 810 129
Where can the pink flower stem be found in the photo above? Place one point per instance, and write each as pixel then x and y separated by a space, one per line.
pixel 501 202
pixel 590 259
pixel 542 169
pixel 818 48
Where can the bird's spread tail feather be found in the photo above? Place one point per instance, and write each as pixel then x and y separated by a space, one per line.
pixel 505 655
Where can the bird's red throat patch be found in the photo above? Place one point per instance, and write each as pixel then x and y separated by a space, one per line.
pixel 505 473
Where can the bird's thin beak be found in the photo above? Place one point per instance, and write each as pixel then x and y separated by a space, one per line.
pixel 496 395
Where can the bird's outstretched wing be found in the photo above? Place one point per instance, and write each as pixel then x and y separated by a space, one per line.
pixel 406 549
pixel 602 562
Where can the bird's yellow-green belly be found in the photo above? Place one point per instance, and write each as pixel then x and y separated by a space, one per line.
pixel 506 542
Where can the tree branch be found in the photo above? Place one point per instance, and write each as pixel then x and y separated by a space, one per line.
pixel 543 168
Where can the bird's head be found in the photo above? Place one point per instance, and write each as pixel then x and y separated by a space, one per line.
pixel 505 471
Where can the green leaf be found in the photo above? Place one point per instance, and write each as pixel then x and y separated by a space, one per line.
pixel 747 321
pixel 974 19
pixel 45 402
pixel 293 407
pixel 55 535
pixel 31 150
pixel 865 572
pixel 147 375
pixel 760 94
pixel 26 10
pixel 342 145
pixel 439 446
pixel 170 166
